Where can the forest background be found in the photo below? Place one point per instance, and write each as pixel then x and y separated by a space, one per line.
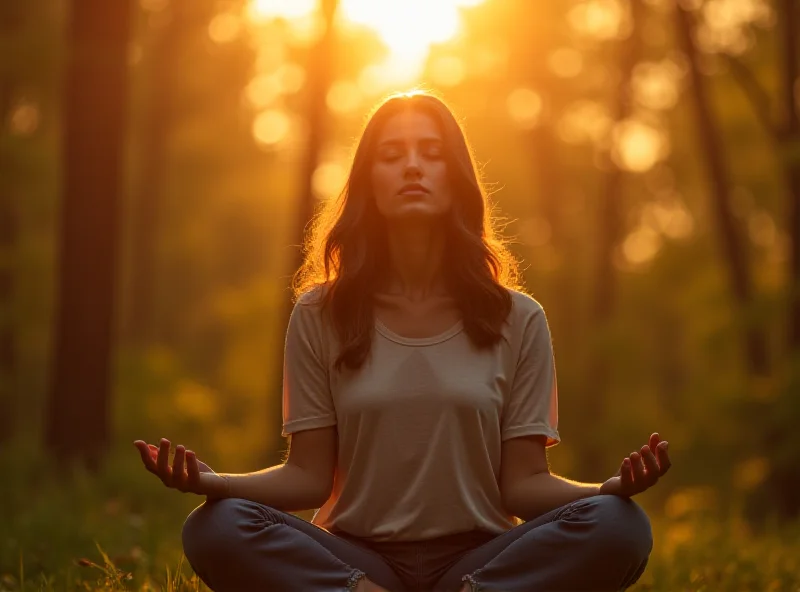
pixel 160 160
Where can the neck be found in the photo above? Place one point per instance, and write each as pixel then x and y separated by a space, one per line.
pixel 416 253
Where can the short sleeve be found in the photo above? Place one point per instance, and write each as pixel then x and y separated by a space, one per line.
pixel 532 405
pixel 307 400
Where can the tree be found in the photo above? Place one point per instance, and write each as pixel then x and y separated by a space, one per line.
pixel 320 73
pixel 94 105
pixel 10 16
pixel 783 130
pixel 163 67
pixel 611 231
pixel 733 245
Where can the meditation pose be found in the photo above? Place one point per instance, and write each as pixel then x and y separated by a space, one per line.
pixel 419 398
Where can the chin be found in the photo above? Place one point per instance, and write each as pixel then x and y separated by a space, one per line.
pixel 416 211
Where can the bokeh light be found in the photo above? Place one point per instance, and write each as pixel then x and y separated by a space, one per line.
pixel 344 96
pixel 524 107
pixel 329 179
pixel 24 118
pixel 637 145
pixel 271 126
pixel 656 85
pixel 565 62
pixel 726 24
pixel 224 27
pixel 599 19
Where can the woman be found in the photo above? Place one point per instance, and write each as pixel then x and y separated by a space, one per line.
pixel 419 398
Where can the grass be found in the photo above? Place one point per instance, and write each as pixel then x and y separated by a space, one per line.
pixel 121 531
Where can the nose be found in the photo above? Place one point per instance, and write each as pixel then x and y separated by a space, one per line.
pixel 412 164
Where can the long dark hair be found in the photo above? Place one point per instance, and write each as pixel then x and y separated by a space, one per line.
pixel 346 250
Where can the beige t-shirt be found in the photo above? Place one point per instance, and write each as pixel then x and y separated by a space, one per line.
pixel 420 425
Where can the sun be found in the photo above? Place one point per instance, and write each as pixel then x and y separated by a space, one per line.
pixel 408 28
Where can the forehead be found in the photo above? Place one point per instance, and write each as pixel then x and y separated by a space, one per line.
pixel 409 125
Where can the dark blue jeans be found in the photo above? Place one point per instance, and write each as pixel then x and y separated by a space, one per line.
pixel 597 543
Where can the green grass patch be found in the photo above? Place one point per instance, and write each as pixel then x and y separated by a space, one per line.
pixel 120 530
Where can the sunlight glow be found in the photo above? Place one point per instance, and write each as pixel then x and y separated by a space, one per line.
pixel 638 146
pixel 762 229
pixel 24 118
pixel 600 19
pixel 656 85
pixel 408 29
pixel 287 9
pixel 272 126
pixel 344 96
pixel 584 121
pixel 224 27
pixel 447 70
pixel 328 179
pixel 726 25
pixel 263 90
pixel 668 216
pixel 565 62
pixel 525 107
pixel 641 245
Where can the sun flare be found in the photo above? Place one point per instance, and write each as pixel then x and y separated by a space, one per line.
pixel 408 28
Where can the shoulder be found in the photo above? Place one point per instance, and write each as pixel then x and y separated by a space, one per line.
pixel 527 325
pixel 309 312
pixel 524 307
pixel 312 298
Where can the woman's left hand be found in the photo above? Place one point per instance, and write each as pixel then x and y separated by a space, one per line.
pixel 640 470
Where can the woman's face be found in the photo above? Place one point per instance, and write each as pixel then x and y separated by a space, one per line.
pixel 409 172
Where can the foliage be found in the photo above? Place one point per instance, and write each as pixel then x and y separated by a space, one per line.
pixel 120 530
pixel 536 87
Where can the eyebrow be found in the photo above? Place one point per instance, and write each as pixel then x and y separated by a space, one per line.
pixel 425 140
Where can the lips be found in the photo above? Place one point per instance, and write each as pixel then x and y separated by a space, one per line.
pixel 413 189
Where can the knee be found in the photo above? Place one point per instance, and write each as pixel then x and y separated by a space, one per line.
pixel 622 527
pixel 214 530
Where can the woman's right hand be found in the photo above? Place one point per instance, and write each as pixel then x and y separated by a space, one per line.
pixel 187 474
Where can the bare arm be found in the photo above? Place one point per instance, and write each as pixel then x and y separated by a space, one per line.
pixel 304 482
pixel 527 486
pixel 529 490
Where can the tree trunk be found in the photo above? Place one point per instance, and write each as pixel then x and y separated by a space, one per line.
pixel 320 67
pixel 163 69
pixel 610 228
pixel 790 135
pixel 10 17
pixel 784 478
pixel 95 97
pixel 777 427
pixel 733 246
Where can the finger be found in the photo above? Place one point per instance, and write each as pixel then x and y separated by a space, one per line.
pixel 163 461
pixel 192 467
pixel 147 458
pixel 626 474
pixel 638 470
pixel 177 464
pixel 664 462
pixel 654 440
pixel 650 465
